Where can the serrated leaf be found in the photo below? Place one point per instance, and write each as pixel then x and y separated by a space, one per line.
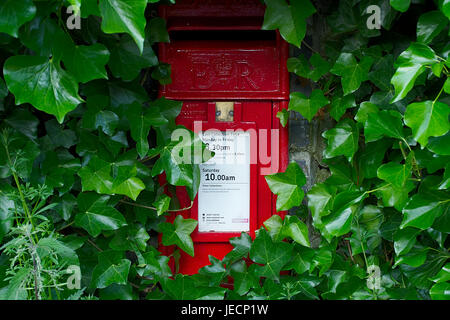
pixel 49 245
pixel 6 215
pixel 287 186
pixel 43 83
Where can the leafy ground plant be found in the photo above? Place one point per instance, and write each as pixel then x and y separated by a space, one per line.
pixel 84 139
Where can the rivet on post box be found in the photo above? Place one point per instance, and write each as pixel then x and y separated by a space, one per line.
pixel 232 79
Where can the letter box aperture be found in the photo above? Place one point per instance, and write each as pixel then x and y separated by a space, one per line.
pixel 232 79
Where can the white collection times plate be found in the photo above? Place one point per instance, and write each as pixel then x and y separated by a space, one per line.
pixel 224 192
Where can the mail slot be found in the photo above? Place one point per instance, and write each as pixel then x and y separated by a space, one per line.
pixel 232 79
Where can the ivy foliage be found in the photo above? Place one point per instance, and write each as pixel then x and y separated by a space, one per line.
pixel 84 139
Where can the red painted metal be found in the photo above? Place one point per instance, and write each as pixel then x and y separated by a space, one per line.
pixel 251 72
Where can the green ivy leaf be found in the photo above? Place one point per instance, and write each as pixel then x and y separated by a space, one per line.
pixel 43 83
pixel 400 5
pixel 162 204
pixel 14 14
pixel 338 222
pixel 443 275
pixel 307 107
pixel 352 72
pixel 297 230
pixel 107 121
pixel 287 186
pixel 440 291
pixel 444 6
pixel 404 240
pixel 157 31
pixel 283 115
pixel 88 62
pixel 46 38
pixel 184 288
pixel 302 260
pixel 410 65
pixel 111 269
pixel 430 25
pixel 342 139
pixel 96 214
pixel 241 248
pixel 301 68
pixel 127 62
pixel 290 19
pixel 427 119
pixel 179 233
pixel 291 227
pixel 162 73
pixel 340 105
pixel 384 123
pixel 140 122
pixel 273 256
pixel 96 176
pixel 395 173
pixel 125 16
pixel 421 211
pixel 393 196
pixel 440 145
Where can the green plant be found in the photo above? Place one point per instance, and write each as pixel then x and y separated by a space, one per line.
pixel 84 140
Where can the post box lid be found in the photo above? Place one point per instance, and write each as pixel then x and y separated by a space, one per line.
pixel 235 60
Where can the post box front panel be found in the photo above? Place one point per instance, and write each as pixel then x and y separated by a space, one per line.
pixel 223 69
pixel 255 199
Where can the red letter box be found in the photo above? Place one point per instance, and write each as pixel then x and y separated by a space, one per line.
pixel 232 78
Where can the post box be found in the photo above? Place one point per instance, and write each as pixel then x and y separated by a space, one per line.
pixel 233 80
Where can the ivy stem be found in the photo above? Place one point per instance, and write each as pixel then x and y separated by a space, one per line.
pixel 373 190
pixel 439 94
pixel 310 48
